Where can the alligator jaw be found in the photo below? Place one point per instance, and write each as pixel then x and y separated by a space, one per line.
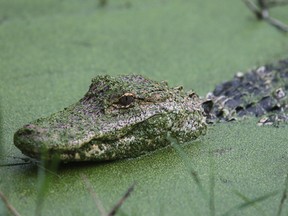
pixel 119 117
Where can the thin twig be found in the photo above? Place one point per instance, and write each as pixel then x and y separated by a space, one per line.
pixel 29 161
pixel 253 8
pixel 44 168
pixel 121 201
pixel 247 200
pixel 14 164
pixel 277 23
pixel 94 195
pixel 25 161
pixel 284 197
pixel 274 3
pixel 262 13
pixel 9 206
pixel 250 202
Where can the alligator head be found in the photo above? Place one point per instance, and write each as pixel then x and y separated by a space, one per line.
pixel 119 117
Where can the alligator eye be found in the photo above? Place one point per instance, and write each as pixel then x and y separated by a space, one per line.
pixel 126 99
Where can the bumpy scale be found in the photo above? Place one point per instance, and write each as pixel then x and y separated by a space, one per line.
pixel 127 116
pixel 261 92
pixel 119 117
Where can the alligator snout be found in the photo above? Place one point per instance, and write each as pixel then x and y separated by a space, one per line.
pixel 28 139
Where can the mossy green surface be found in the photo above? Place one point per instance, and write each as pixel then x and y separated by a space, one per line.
pixel 51 50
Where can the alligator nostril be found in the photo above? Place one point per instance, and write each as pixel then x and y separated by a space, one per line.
pixel 26 140
pixel 25 131
pixel 26 135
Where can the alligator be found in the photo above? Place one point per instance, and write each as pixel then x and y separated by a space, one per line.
pixel 129 115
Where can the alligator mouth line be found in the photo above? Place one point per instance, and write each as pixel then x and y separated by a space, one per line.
pixel 32 143
pixel 34 147
pixel 101 148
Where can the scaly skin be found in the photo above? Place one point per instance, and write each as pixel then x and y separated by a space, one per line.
pixel 260 92
pixel 119 117
pixel 127 116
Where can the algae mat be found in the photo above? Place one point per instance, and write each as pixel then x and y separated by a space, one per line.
pixel 50 50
